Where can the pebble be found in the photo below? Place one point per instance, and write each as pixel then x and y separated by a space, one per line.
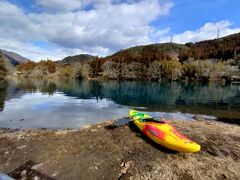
pixel 23 173
pixel 126 166
pixel 54 174
pixel 86 126
pixel 36 178
pixel 37 166
pixel 21 147
pixel 93 130
pixel 61 132
pixel 20 137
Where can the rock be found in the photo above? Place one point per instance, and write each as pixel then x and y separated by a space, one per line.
pixel 199 118
pixel 54 174
pixel 20 136
pixel 23 173
pixel 126 166
pixel 37 166
pixel 61 132
pixel 86 126
pixel 21 147
pixel 36 178
pixel 93 130
pixel 204 117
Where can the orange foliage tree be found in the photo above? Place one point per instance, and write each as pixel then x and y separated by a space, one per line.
pixel 30 65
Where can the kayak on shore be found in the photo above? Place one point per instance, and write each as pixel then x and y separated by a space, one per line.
pixel 163 133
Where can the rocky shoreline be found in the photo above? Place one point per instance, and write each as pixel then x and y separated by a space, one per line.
pixel 107 151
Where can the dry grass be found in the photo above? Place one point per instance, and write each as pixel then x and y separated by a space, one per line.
pixel 108 152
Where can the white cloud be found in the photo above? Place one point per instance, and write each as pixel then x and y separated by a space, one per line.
pixel 208 31
pixel 59 5
pixel 109 26
pixel 91 26
pixel 156 34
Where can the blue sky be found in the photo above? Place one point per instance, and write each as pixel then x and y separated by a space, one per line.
pixel 40 29
pixel 192 14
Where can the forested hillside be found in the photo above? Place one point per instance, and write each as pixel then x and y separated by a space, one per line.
pixel 3 69
pixel 210 60
pixel 11 59
pixel 223 48
pixel 205 60
pixel 75 59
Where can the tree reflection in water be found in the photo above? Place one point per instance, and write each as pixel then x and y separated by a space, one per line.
pixel 214 99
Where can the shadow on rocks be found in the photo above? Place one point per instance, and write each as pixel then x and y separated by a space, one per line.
pixel 25 171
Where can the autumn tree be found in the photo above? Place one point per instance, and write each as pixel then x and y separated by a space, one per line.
pixel 3 69
pixel 51 66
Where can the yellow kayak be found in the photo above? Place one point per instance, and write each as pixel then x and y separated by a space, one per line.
pixel 163 133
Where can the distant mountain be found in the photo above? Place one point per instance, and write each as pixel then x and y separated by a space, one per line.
pixel 77 58
pixel 12 59
pixel 3 70
pixel 149 52
pixel 219 49
pixel 135 62
pixel 224 48
pixel 200 61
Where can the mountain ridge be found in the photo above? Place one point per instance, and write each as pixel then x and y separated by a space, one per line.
pixel 222 48
pixel 76 58
pixel 12 59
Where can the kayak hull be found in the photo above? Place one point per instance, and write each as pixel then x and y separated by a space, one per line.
pixel 164 134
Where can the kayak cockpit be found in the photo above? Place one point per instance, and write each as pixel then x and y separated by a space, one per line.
pixel 152 120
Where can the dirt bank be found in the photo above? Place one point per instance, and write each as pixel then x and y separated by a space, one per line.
pixel 108 152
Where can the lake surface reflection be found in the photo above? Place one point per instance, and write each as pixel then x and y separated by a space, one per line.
pixel 31 103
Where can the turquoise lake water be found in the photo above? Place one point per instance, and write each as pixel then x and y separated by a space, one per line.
pixel 32 103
